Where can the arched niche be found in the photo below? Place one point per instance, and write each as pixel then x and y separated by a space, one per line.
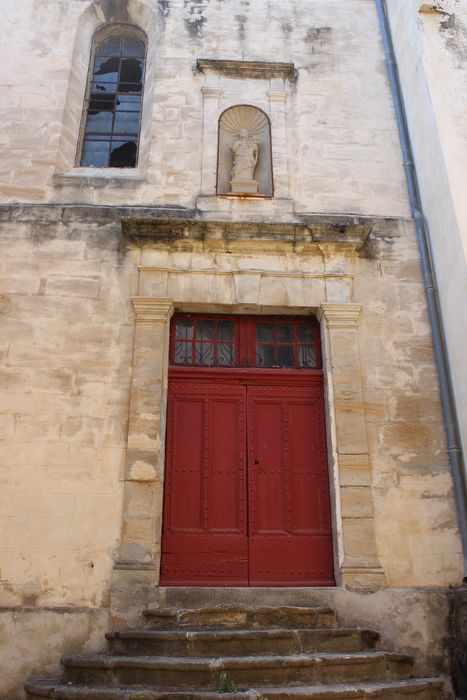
pixel 244 133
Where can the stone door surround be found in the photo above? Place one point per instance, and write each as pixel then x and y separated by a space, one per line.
pixel 350 467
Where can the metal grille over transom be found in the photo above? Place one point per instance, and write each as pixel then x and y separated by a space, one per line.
pixel 245 341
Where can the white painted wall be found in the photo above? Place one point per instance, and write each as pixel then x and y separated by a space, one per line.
pixel 431 53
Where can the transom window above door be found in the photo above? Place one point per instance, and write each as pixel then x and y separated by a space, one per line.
pixel 282 342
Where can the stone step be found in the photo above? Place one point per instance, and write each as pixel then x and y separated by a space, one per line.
pixel 243 672
pixel 198 597
pixel 234 642
pixel 232 617
pixel 420 689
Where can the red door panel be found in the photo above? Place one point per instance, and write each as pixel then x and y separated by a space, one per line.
pixel 204 538
pixel 290 525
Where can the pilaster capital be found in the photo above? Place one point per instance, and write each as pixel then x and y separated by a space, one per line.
pixel 277 95
pixel 340 315
pixel 211 92
pixel 151 309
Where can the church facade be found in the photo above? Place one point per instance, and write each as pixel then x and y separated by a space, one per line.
pixel 216 358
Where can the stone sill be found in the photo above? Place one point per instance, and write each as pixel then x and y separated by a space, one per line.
pixel 247 69
pixel 99 177
pixel 257 205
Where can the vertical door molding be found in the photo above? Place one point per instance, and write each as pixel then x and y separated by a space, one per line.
pixel 137 568
pixel 359 565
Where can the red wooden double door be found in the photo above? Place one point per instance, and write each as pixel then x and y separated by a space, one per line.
pixel 246 487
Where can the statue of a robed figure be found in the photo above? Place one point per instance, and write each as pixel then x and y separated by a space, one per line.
pixel 245 153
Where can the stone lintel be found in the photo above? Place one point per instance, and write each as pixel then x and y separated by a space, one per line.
pixel 340 315
pixel 166 230
pixel 247 69
pixel 150 309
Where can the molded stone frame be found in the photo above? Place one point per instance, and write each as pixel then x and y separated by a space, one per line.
pixel 136 573
pixel 260 84
pixel 139 15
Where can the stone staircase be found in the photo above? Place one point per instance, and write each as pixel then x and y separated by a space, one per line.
pixel 238 653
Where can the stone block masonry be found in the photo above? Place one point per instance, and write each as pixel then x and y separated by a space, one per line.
pixel 85 305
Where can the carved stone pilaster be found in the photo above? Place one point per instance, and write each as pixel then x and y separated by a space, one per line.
pixel 359 566
pixel 144 464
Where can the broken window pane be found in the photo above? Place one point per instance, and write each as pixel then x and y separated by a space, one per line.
pixel 100 86
pixel 101 103
pixel 123 154
pixel 128 103
pixel 131 70
pixel 107 67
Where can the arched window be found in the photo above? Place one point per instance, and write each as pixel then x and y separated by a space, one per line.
pixel 112 110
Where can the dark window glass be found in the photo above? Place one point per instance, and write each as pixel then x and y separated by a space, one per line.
pixel 113 106
pixel 285 333
pixel 264 332
pixel 265 355
pixel 183 353
pixel 285 356
pixel 225 355
pixel 204 354
pixel 205 330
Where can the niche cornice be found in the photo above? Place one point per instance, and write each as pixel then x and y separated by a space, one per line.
pixel 247 69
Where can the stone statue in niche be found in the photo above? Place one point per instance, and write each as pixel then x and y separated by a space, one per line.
pixel 244 158
pixel 245 153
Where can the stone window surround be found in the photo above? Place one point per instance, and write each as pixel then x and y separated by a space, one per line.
pixel 143 19
pixel 107 31
pixel 356 562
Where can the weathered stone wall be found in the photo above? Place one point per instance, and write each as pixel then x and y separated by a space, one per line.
pixel 341 150
pixel 67 343
pixel 67 275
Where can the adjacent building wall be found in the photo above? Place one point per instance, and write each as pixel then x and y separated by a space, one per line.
pixel 431 50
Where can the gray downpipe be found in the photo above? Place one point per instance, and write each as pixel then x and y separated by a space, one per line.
pixel 454 445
